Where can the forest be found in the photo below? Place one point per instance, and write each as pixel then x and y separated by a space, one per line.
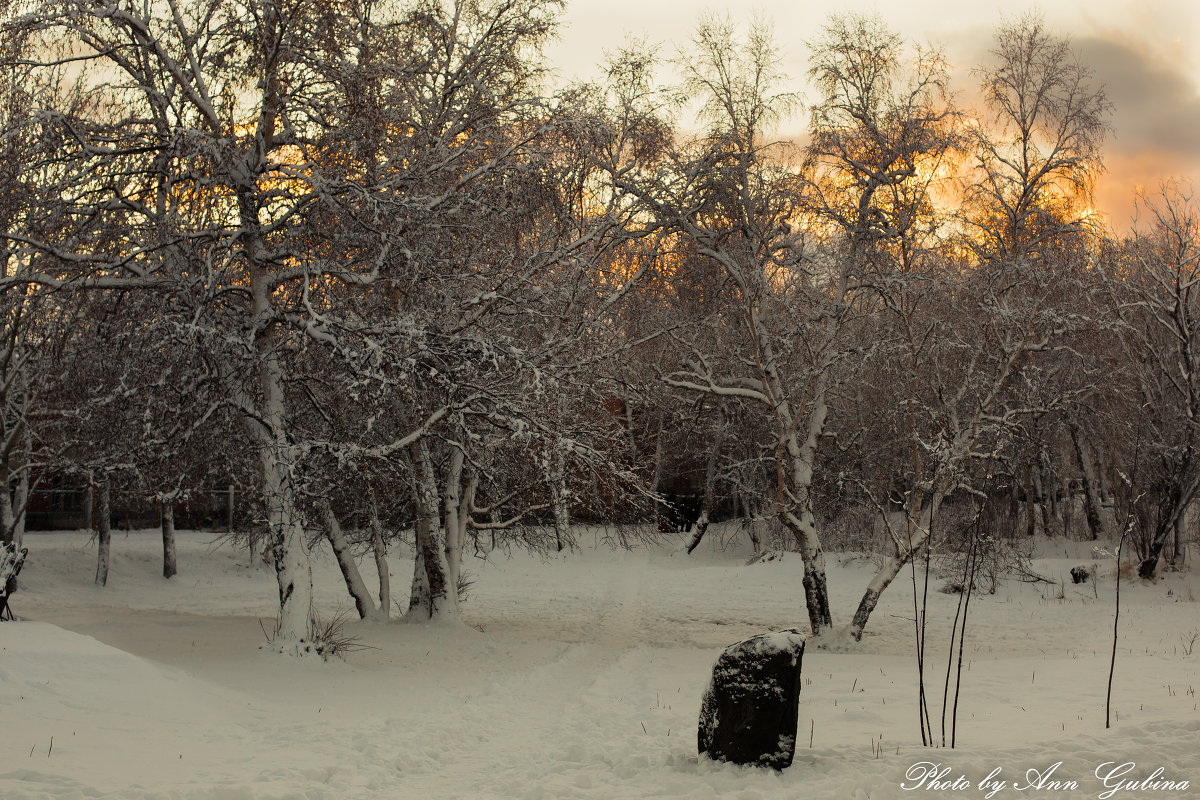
pixel 366 270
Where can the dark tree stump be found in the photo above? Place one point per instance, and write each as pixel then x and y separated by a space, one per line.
pixel 748 715
pixel 11 561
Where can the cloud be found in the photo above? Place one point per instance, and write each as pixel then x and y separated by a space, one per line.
pixel 1157 107
pixel 1156 117
pixel 1146 74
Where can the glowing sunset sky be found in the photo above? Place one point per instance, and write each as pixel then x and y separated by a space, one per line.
pixel 1147 55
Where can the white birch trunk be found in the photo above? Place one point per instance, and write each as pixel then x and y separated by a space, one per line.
pixel 418 596
pixel 455 520
pixel 1039 507
pixel 381 566
pixel 350 573
pixel 433 597
pixel 799 518
pixel 656 478
pixel 794 465
pixel 293 569
pixel 1093 507
pixel 700 527
pixel 917 531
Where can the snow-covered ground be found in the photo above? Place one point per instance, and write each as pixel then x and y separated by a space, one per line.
pixel 577 676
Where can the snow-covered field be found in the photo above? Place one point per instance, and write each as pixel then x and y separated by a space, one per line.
pixel 573 676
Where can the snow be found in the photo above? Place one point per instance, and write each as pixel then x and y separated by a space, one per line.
pixel 573 676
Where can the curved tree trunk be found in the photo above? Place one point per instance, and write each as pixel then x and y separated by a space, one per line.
pixel 345 559
pixel 917 532
pixel 798 516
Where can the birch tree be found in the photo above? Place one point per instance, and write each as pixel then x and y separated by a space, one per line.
pixel 729 194
pixel 882 139
pixel 1157 291
pixel 223 142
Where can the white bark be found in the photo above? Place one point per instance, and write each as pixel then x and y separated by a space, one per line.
pixel 919 523
pixel 700 527
pixel 1093 507
pixel 379 546
pixel 815 589
pixel 454 519
pixel 350 572
pixel 433 596
pixel 293 570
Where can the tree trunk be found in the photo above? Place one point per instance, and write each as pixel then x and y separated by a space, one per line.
pixel 1148 568
pixel 14 484
pixel 293 569
pixel 1039 507
pixel 268 416
pixel 799 518
pixel 381 566
pixel 560 499
pixel 433 597
pixel 21 497
pixel 1092 505
pixel 229 503
pixel 454 519
pixel 753 522
pixel 1179 554
pixel 1030 504
pixel 1172 513
pixel 345 559
pixel 418 595
pixel 816 588
pixel 8 520
pixel 656 478
pixel 170 564
pixel 710 480
pixel 917 532
pixel 103 533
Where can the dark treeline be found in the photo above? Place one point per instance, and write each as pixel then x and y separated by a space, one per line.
pixel 358 260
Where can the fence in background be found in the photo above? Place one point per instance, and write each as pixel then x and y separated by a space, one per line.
pixel 72 509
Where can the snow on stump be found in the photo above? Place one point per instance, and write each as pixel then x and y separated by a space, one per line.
pixel 748 715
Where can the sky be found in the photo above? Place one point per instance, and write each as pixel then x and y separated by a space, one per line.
pixel 1146 54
